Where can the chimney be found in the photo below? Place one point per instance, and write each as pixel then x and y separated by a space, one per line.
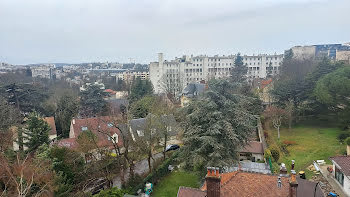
pixel 283 170
pixel 73 121
pixel 213 180
pixel 293 184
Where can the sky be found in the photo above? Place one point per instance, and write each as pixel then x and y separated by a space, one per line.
pixel 74 31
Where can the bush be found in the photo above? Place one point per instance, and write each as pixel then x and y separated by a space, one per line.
pixel 347 141
pixel 342 136
pixel 267 154
pixel 288 142
pixel 275 153
pixel 113 192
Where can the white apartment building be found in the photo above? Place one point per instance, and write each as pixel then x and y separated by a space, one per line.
pixel 43 71
pixel 177 73
pixel 129 75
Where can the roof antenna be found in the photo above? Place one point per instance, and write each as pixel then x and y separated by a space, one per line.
pixel 279 182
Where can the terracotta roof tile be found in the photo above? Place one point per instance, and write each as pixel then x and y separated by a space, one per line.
pixel 253 147
pixel 99 126
pixel 68 143
pixel 51 122
pixel 190 192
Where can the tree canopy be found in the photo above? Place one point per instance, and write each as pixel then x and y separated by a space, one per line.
pixel 139 89
pixel 91 100
pixel 216 126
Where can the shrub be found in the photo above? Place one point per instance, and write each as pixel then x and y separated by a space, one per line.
pixel 275 153
pixel 288 142
pixel 347 141
pixel 113 192
pixel 267 154
pixel 342 136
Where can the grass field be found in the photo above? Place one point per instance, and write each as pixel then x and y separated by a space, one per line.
pixel 169 185
pixel 312 143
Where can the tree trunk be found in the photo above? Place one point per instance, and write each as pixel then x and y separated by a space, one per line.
pixel 149 164
pixel 278 132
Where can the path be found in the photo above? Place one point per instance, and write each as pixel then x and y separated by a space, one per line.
pixel 332 181
pixel 141 167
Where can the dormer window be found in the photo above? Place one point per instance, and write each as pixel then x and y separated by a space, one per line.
pixel 84 128
pixel 110 125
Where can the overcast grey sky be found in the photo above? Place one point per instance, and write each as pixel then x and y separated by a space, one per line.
pixel 33 31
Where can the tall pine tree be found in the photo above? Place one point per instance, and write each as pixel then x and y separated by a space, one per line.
pixel 36 133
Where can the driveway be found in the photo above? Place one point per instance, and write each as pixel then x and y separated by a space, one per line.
pixel 141 167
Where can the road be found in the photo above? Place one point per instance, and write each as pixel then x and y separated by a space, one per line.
pixel 141 167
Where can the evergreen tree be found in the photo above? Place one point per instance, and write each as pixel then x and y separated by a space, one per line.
pixel 239 72
pixel 67 108
pixel 91 100
pixel 216 125
pixel 139 89
pixel 36 133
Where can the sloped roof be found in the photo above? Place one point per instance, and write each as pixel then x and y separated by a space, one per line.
pixel 255 184
pixel 193 89
pixel 265 83
pixel 190 192
pixel 253 147
pixel 141 124
pixel 343 162
pixel 68 143
pixel 51 122
pixel 100 126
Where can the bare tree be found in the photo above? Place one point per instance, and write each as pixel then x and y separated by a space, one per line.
pixel 20 175
pixel 172 83
pixel 276 115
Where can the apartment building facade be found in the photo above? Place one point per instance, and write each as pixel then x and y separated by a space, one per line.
pixel 176 74
pixel 129 75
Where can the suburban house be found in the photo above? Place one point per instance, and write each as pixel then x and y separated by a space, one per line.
pixel 52 133
pixel 103 128
pixel 111 94
pixel 264 92
pixel 192 90
pixel 241 183
pixel 252 151
pixel 341 172
pixel 139 126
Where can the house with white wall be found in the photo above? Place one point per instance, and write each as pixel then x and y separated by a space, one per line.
pixel 341 172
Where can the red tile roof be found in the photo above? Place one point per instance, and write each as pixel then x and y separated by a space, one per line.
pixel 68 143
pixel 254 184
pixel 100 126
pixel 253 147
pixel 343 162
pixel 190 192
pixel 51 122
pixel 265 83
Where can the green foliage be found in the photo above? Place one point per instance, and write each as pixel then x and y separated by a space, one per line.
pixel 333 90
pixel 142 107
pixel 343 135
pixel 240 70
pixel 275 153
pixel 139 89
pixel 347 141
pixel 37 132
pixel 25 97
pixel 67 108
pixel 91 100
pixel 216 125
pixel 114 192
pixel 267 154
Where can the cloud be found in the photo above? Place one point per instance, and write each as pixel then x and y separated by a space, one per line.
pixel 116 30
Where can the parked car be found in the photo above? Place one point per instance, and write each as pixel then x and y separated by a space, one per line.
pixel 172 147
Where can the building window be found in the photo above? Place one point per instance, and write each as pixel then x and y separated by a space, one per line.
pixel 84 128
pixel 339 176
pixel 110 125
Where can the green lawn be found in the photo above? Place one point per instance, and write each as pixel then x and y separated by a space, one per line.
pixel 312 143
pixel 169 185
